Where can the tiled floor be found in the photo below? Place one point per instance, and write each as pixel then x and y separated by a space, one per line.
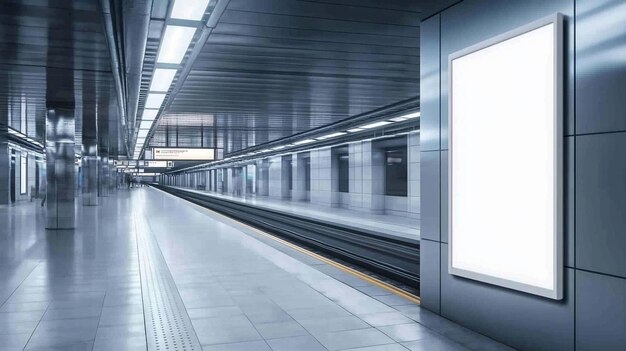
pixel 390 224
pixel 81 290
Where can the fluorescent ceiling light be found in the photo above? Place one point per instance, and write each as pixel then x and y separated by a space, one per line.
pixel 162 79
pixel 398 119
pixel 175 42
pixel 149 115
pixel 405 117
pixel 192 10
pixel 155 100
pixel 375 124
pixel 266 150
pixel 354 130
pixel 413 115
pixel 279 147
pixel 145 125
pixel 305 141
pixel 332 135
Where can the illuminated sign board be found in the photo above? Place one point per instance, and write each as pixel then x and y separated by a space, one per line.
pixel 505 160
pixel 184 154
pixel 155 164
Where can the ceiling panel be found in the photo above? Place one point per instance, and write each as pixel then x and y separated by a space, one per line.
pixel 274 68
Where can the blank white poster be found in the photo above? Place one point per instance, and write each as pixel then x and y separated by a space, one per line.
pixel 505 157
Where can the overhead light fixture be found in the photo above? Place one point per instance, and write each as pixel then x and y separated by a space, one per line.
pixel 175 43
pixel 145 125
pixel 305 141
pixel 162 79
pixel 149 115
pixel 405 117
pixel 155 100
pixel 413 115
pixel 355 130
pixel 375 124
pixel 279 147
pixel 331 135
pixel 192 10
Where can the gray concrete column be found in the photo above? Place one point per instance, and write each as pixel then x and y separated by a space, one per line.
pixel 414 175
pixel 5 160
pixel 103 175
pixel 323 179
pixel 89 191
pixel 298 165
pixel 373 178
pixel 262 177
pixel 60 199
pixel 112 177
pixel 276 177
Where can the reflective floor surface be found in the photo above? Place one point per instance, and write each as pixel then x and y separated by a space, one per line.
pixel 147 270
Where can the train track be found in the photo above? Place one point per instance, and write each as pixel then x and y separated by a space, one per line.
pixel 392 257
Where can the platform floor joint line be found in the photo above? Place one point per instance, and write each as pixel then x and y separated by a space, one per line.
pixel 168 326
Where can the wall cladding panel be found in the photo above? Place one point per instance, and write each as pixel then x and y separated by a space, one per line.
pixel 429 84
pixel 514 318
pixel 430 192
pixel 600 67
pixel 430 258
pixel 601 203
pixel 594 185
pixel 601 312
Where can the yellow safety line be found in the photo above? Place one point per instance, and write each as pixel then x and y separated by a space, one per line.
pixel 377 282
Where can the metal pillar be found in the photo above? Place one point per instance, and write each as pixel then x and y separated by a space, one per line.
pixel 103 176
pixel 90 174
pixel 60 168
pixel 4 160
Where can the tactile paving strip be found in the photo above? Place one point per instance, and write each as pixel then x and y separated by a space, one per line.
pixel 168 326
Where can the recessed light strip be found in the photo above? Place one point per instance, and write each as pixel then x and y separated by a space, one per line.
pixel 174 45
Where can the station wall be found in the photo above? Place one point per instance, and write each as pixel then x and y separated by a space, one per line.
pixel 366 178
pixel 592 315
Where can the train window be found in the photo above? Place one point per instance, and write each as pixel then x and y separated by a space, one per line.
pixel 396 171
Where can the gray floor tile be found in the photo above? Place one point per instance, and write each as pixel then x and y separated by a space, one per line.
pixel 311 313
pixel 333 324
pixel 223 330
pixel 13 342
pixel 406 332
pixel 67 332
pixel 81 346
pixel 385 318
pixel 299 343
pixel 352 338
pixel 120 344
pixel 24 307
pixel 10 327
pixel 388 347
pixel 240 346
pixel 434 344
pixel 210 312
pixel 280 329
pixel 72 313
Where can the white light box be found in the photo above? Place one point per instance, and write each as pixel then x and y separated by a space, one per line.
pixel 505 160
